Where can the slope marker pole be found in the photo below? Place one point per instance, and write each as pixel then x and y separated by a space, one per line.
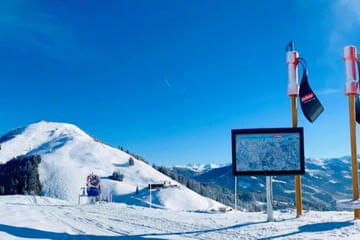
pixel 292 60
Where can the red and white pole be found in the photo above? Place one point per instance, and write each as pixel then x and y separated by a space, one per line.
pixel 351 90
pixel 350 57
pixel 292 60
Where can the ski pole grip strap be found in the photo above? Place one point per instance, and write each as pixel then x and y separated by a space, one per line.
pixel 350 57
pixel 292 60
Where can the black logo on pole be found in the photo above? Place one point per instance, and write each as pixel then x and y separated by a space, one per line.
pixel 310 104
pixel 357 109
pixel 357 100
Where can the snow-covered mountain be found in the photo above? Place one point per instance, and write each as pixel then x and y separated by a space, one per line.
pixel 69 155
pixel 192 170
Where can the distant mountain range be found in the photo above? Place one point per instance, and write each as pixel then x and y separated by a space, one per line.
pixel 325 181
pixel 192 170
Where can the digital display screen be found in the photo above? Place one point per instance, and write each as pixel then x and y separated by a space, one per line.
pixel 269 151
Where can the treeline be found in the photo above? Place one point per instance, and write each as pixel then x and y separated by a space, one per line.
pixel 20 176
pixel 137 156
pixel 246 200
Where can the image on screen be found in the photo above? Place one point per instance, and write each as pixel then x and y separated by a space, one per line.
pixel 268 152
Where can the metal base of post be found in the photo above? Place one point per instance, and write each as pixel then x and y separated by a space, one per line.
pixel 150 198
pixel 269 197
pixel 235 196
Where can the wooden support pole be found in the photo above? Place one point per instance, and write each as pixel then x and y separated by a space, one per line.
pixel 355 178
pixel 298 198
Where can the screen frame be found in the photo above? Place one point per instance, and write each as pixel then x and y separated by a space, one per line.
pixel 298 130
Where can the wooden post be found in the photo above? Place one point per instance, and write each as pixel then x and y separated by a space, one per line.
pixel 355 178
pixel 298 198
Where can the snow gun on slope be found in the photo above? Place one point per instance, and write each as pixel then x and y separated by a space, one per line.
pixel 93 188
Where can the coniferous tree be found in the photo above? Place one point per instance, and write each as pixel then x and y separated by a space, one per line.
pixel 20 176
pixel 131 161
pixel 117 176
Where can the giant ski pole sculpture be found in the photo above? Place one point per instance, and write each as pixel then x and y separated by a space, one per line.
pixel 310 104
pixel 292 60
pixel 352 90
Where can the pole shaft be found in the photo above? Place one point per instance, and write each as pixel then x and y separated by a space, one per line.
pixel 150 196
pixel 294 111
pixel 354 168
pixel 270 213
pixel 235 197
pixel 297 177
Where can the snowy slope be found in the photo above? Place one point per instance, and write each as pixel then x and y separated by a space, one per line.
pixel 27 217
pixel 69 155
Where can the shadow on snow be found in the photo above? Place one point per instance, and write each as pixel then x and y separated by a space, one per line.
pixel 40 234
pixel 24 232
pixel 316 227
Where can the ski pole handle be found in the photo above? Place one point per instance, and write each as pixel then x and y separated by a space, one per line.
pixel 292 60
pixel 350 56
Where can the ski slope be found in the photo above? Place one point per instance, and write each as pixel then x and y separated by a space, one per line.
pixel 69 155
pixel 28 217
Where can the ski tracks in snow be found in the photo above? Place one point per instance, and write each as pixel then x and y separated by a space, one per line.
pixel 34 217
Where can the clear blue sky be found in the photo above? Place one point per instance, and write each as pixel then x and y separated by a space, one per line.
pixel 170 79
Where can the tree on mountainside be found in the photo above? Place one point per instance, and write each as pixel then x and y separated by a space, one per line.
pixel 117 176
pixel 131 161
pixel 20 176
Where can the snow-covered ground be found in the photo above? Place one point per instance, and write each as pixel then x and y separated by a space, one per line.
pixel 28 217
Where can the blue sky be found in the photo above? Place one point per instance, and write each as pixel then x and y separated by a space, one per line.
pixel 170 79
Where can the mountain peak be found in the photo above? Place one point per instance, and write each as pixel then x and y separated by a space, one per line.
pixel 69 155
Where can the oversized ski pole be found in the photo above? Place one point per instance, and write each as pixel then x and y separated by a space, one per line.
pixel 351 90
pixel 292 60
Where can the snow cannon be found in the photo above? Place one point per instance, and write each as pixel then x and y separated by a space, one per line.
pixel 350 57
pixel 292 60
pixel 93 187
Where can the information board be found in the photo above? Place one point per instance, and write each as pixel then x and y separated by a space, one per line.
pixel 268 151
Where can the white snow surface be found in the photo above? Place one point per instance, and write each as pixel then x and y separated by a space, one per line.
pixel 69 155
pixel 28 217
